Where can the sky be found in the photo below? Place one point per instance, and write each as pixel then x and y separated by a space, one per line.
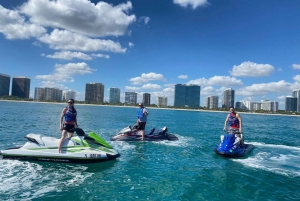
pixel 148 46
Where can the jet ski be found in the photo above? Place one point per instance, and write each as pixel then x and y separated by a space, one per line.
pixel 83 148
pixel 232 145
pixel 132 134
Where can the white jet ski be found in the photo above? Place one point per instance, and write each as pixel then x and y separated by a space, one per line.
pixel 82 148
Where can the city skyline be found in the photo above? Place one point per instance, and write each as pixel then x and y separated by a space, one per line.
pixel 150 46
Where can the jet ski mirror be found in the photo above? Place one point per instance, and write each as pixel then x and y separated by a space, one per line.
pixel 79 131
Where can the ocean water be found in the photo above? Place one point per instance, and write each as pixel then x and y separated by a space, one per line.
pixel 187 169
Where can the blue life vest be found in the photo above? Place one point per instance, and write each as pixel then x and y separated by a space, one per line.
pixel 141 116
pixel 70 115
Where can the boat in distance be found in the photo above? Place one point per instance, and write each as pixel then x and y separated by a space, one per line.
pixel 132 134
pixel 83 148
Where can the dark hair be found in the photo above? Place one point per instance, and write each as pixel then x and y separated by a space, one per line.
pixel 71 99
pixel 231 107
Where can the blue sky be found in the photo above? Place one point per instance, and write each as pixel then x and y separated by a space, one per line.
pixel 151 45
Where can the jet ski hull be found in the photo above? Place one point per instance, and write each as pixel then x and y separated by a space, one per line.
pixel 129 134
pixel 239 152
pixel 83 148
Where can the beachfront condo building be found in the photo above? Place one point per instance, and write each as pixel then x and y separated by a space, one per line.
pixel 114 95
pixel 20 86
pixel 4 84
pixel 268 105
pixel 71 94
pixel 296 94
pixel 162 102
pixel 130 98
pixel 39 94
pixel 291 104
pixel 212 102
pixel 187 96
pixel 228 98
pixel 146 99
pixel 94 92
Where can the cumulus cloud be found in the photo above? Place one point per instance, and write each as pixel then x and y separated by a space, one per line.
pixel 183 76
pixel 146 77
pixel 151 86
pixel 251 69
pixel 193 3
pixel 131 88
pixel 144 19
pixel 297 78
pixel 296 66
pixel 63 73
pixel 265 88
pixel 66 40
pixel 67 55
pixel 14 26
pixel 80 16
pixel 225 81
pixel 101 56
pixel 130 44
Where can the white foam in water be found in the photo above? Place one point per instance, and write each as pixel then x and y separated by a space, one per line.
pixel 279 159
pixel 181 142
pixel 26 180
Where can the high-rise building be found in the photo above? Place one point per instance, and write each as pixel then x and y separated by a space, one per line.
pixel 39 94
pixel 146 99
pixel 187 96
pixel 212 102
pixel 54 94
pixel 228 98
pixel 20 87
pixel 162 102
pixel 296 94
pixel 114 95
pixel 71 94
pixel 291 104
pixel 94 92
pixel 4 84
pixel 268 105
pixel 130 98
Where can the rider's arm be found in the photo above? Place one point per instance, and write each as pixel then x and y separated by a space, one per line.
pixel 61 117
pixel 240 121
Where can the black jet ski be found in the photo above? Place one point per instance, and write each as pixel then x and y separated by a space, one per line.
pixel 232 145
pixel 83 148
pixel 132 134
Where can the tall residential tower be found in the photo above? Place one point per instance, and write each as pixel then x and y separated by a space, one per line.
pixel 187 96
pixel 20 87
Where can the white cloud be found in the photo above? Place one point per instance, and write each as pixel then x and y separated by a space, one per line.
pixel 151 86
pixel 101 56
pixel 296 66
pixel 144 19
pixel 183 76
pixel 250 69
pixel 14 26
pixel 193 3
pixel 130 44
pixel 81 16
pixel 265 88
pixel 297 78
pixel 281 97
pixel 225 81
pixel 146 77
pixel 65 40
pixel 131 88
pixel 67 55
pixel 63 73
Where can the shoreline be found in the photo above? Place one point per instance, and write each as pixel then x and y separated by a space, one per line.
pixel 155 108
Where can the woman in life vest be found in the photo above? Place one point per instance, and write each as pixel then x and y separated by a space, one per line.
pixel 234 120
pixel 70 115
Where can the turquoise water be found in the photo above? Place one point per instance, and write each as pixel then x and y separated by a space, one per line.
pixel 187 169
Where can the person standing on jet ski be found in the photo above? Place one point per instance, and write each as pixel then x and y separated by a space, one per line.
pixel 234 120
pixel 142 119
pixel 70 115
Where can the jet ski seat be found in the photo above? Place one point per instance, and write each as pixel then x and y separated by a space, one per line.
pixel 152 131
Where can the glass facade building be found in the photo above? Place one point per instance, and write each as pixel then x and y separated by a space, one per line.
pixel 228 98
pixel 114 95
pixel 20 87
pixel 146 99
pixel 187 96
pixel 4 84
pixel 130 98
pixel 291 104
